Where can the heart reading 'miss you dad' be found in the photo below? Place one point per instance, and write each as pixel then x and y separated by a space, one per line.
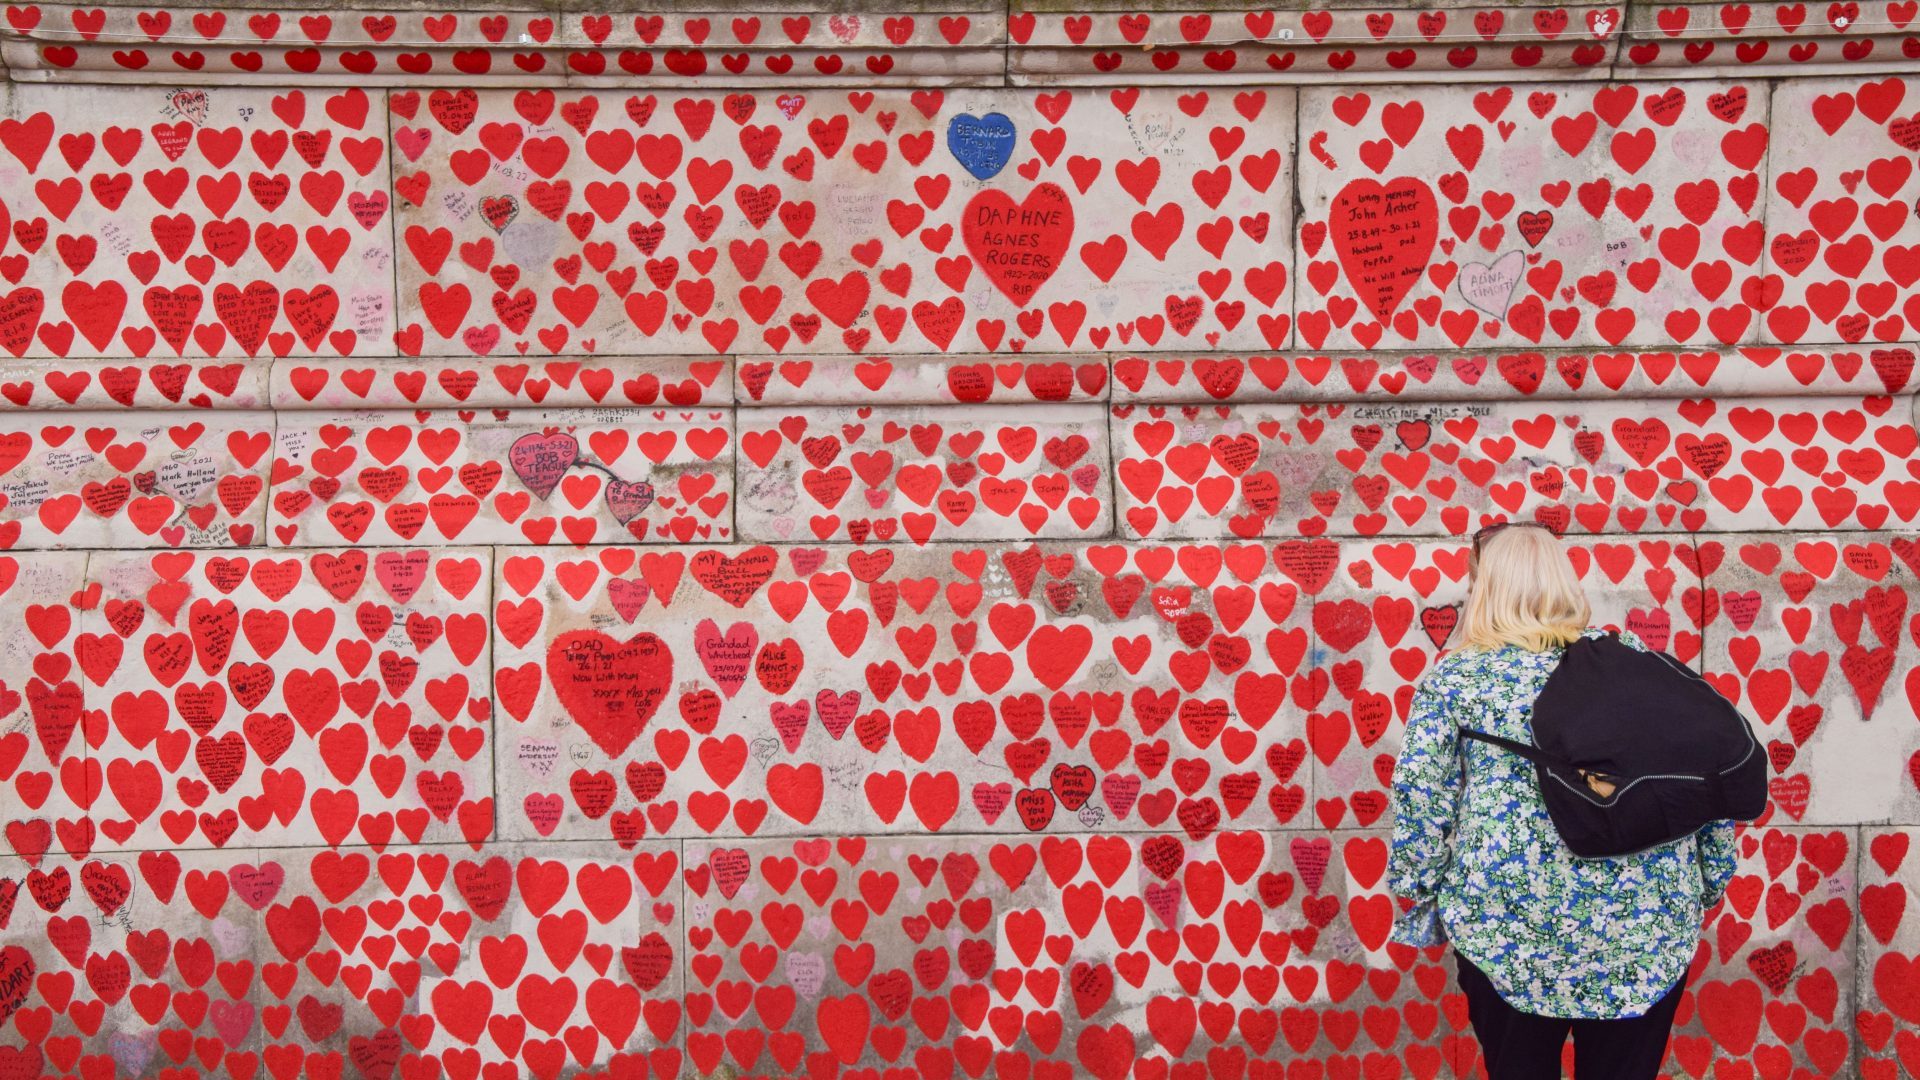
pixel 1019 245
pixel 611 688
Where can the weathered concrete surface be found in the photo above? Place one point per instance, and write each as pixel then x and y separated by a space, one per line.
pixel 515 567
pixel 1603 467
pixel 526 225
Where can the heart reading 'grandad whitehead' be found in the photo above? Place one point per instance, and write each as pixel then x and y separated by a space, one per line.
pixel 627 501
pixel 610 688
pixel 1019 245
pixel 1384 235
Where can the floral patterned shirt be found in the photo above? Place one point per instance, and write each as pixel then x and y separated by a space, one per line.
pixel 1557 935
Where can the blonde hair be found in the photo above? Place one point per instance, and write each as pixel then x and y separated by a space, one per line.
pixel 1524 593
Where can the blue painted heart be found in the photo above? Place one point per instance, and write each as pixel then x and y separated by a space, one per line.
pixel 981 144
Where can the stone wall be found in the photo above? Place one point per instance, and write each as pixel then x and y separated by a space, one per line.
pixel 877 543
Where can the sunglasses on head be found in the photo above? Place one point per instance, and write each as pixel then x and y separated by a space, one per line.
pixel 1480 535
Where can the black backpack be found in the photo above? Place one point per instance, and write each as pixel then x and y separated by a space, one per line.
pixel 1633 750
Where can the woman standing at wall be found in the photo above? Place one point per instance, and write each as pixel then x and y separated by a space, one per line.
pixel 1546 943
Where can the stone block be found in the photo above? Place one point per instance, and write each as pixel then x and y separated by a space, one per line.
pixel 446 383
pixel 575 43
pixel 1512 375
pixel 218 222
pixel 922 380
pixel 323 957
pixel 1810 635
pixel 1715 38
pixel 544 225
pixel 544 958
pixel 106 385
pixel 134 479
pixel 145 962
pixel 1600 467
pixel 1552 215
pixel 764 691
pixel 45 762
pixel 1887 1016
pixel 317 698
pixel 518 476
pixel 1365 43
pixel 1843 245
pixel 1773 984
pixel 1089 953
pixel 924 474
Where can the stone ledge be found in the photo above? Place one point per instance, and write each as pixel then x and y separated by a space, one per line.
pixel 1321 376
pixel 295 384
pixel 955 43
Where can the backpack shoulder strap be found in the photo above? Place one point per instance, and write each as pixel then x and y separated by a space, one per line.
pixel 1527 750
pixel 1531 753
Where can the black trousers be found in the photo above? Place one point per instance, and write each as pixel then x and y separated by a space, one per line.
pixel 1522 1046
